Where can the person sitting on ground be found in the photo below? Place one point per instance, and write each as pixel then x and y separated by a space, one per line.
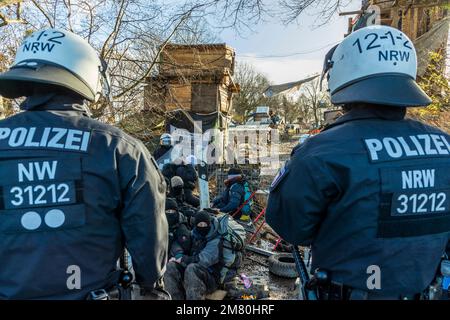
pixel 193 276
pixel 234 196
pixel 182 243
pixel 177 190
pixel 169 170
pixel 174 219
pixel 184 168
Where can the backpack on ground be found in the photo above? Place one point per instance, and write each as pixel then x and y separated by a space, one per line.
pixel 231 248
pixel 232 232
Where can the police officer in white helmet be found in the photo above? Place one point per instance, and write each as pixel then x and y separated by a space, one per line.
pixel 165 145
pixel 75 192
pixel 166 140
pixel 371 193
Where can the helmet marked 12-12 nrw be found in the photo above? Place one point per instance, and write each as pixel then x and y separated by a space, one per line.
pixel 378 65
pixel 54 57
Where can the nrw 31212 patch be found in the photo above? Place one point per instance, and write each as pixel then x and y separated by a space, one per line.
pixel 279 177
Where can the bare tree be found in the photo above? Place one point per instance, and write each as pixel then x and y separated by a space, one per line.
pixel 128 34
pixel 195 31
pixel 324 10
pixel 252 84
pixel 292 110
pixel 312 100
pixel 236 14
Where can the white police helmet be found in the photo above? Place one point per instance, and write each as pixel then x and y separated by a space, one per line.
pixel 376 64
pixel 165 140
pixel 54 57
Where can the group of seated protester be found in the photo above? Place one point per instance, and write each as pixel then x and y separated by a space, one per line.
pixel 182 180
pixel 205 246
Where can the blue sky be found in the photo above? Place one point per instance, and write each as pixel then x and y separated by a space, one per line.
pixel 272 38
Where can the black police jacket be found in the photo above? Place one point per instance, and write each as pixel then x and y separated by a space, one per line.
pixel 74 192
pixel 160 151
pixel 371 191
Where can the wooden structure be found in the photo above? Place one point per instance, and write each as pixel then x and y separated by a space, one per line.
pixel 413 17
pixel 195 78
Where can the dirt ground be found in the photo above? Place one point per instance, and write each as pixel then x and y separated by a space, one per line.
pixel 279 288
pixel 256 265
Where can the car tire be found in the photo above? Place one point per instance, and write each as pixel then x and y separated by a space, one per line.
pixel 283 265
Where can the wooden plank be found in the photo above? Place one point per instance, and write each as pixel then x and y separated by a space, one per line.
pixel 255 249
pixel 347 13
pixel 199 59
pixel 387 22
pixel 224 99
pixel 189 72
pixel 194 59
pixel 178 97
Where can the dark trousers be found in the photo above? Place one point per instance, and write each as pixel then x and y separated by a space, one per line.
pixel 190 198
pixel 191 283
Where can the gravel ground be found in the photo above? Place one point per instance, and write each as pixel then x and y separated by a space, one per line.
pixel 255 264
pixel 280 288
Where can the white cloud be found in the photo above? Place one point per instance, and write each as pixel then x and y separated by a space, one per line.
pixel 285 69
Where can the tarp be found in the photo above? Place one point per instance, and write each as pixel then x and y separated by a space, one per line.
pixel 431 41
pixel 193 123
pixel 287 87
pixel 182 119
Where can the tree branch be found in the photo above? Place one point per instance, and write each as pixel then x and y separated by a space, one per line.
pixel 4 3
pixel 116 28
pixel 38 6
pixel 68 5
pixel 154 62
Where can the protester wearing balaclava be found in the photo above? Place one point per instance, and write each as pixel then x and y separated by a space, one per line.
pixel 202 222
pixel 172 214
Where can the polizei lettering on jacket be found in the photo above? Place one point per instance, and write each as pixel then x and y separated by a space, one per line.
pixel 416 146
pixel 49 137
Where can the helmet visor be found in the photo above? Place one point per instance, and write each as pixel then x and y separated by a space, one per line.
pixel 390 90
pixel 20 81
